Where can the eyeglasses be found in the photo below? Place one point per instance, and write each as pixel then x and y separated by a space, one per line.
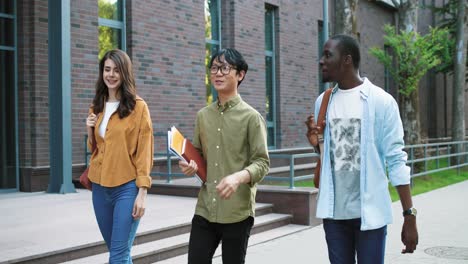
pixel 225 69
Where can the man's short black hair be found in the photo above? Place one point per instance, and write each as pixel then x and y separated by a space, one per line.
pixel 349 46
pixel 233 57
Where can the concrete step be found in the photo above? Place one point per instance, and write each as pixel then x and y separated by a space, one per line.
pixel 254 240
pixel 177 227
pixel 153 251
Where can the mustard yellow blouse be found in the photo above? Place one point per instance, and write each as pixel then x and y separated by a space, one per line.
pixel 126 151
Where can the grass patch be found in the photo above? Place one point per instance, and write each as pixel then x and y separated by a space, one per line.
pixel 433 181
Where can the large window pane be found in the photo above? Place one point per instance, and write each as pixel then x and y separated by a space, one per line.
pixel 7 120
pixel 320 51
pixel 212 20
pixel 271 137
pixel 109 38
pixel 210 92
pixel 111 26
pixel 6 32
pixel 270 69
pixel 213 43
pixel 269 29
pixel 269 88
pixel 110 9
pixel 6 6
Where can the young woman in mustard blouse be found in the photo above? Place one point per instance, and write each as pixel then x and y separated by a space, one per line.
pixel 120 166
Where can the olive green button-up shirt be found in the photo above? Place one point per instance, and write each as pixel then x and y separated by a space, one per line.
pixel 231 138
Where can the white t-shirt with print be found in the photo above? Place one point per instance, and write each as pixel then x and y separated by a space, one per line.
pixel 345 115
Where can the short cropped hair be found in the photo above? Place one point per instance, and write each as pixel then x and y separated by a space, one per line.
pixel 349 46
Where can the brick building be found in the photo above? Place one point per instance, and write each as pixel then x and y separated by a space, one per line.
pixel 168 42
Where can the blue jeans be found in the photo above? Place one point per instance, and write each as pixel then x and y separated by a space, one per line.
pixel 113 208
pixel 345 240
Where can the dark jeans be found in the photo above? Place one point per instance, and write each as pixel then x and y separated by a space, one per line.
pixel 113 207
pixel 205 237
pixel 345 239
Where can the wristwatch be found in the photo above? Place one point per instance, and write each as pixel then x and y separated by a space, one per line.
pixel 411 211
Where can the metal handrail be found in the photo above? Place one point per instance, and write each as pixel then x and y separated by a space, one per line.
pixel 292 158
pixel 461 156
pixel 169 174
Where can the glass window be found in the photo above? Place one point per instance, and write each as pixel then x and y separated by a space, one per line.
pixel 6 7
pixel 320 51
pixel 270 71
pixel 6 31
pixel 111 25
pixel 8 95
pixel 110 9
pixel 7 118
pixel 213 42
pixel 109 38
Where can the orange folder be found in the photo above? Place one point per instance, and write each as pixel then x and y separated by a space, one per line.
pixel 184 150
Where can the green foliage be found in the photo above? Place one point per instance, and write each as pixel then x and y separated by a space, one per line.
pixel 413 55
pixel 447 15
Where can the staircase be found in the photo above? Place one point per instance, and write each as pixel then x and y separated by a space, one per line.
pixel 164 243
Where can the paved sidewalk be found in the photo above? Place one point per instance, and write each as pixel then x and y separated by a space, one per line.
pixel 442 224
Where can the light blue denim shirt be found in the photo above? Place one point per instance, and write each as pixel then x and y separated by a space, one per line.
pixel 381 152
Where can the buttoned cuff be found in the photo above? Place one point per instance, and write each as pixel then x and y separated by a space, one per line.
pixel 143 181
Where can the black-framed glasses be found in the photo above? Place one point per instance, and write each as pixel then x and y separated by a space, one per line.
pixel 225 69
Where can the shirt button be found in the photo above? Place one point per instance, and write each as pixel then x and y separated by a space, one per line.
pixel 214 200
pixel 217 147
pixel 221 113
pixel 219 129
pixel 216 164
pixel 215 181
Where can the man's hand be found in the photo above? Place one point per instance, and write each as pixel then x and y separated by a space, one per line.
pixel 188 169
pixel 409 234
pixel 229 184
pixel 312 131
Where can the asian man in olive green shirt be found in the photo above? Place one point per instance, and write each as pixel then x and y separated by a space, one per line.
pixel 231 136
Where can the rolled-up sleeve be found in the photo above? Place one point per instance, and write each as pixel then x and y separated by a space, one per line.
pixel 145 150
pixel 259 161
pixel 393 144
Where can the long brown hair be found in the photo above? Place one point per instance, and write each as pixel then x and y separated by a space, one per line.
pixel 126 91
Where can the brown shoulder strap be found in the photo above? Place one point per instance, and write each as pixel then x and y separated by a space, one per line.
pixel 323 110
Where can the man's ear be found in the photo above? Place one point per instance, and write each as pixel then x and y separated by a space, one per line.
pixel 240 76
pixel 348 59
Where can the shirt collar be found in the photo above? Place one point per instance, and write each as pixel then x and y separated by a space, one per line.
pixel 365 88
pixel 233 101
